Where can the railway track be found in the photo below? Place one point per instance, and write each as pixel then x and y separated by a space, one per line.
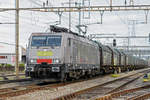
pixel 10 78
pixel 21 90
pixel 139 93
pixel 103 89
pixel 35 86
pixel 106 88
pixel 9 75
pixel 15 80
pixel 58 88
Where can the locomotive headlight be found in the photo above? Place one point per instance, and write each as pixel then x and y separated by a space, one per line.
pixel 33 61
pixel 56 60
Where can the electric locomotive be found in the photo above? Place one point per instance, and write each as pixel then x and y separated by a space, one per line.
pixel 60 55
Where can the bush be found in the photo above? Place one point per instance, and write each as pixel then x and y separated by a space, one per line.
pixel 2 65
pixel 8 65
pixel 21 65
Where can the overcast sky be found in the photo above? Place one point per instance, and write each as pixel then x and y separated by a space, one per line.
pixel 113 22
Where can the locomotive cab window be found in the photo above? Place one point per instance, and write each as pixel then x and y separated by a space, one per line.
pixel 51 40
pixel 54 41
pixel 38 41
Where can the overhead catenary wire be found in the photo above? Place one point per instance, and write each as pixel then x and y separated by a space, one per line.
pixel 20 16
pixel 75 22
pixel 118 15
pixel 66 18
pixel 26 21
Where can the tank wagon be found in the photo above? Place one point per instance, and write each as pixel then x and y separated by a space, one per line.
pixel 63 55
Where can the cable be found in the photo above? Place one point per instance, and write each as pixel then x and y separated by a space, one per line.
pixel 117 15
pixel 27 18
pixel 51 5
pixel 23 20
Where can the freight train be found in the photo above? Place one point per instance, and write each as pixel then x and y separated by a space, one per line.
pixel 63 54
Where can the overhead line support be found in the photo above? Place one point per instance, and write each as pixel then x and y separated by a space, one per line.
pixel 101 13
pixel 111 5
pixel 69 16
pixel 146 16
pixel 17 39
pixel 85 9
pixel 131 2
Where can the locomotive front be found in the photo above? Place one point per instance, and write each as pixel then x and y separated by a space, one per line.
pixel 44 56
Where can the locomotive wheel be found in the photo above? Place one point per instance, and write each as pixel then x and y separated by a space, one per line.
pixel 77 77
pixel 102 71
pixel 93 73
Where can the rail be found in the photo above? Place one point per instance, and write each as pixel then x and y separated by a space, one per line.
pixel 121 93
pixel 75 94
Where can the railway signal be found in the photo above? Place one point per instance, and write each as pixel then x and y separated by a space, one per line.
pixel 114 43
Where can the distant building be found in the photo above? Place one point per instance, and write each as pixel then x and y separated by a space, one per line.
pixel 8 56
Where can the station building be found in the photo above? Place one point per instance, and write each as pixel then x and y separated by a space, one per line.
pixel 8 56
